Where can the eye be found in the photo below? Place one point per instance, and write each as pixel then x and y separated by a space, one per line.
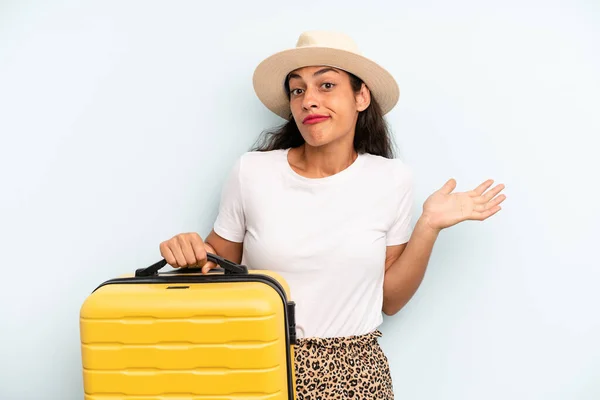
pixel 295 92
pixel 328 85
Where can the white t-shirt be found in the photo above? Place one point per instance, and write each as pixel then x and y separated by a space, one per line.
pixel 327 237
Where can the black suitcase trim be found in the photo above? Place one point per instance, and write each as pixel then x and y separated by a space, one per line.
pixel 178 278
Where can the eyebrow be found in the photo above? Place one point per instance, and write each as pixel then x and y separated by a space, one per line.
pixel 319 72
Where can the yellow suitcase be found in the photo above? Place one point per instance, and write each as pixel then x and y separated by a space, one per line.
pixel 182 335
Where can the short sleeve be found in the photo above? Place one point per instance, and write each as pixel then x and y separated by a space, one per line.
pixel 401 228
pixel 230 223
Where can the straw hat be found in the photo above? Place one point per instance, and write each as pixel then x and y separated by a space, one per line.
pixel 321 48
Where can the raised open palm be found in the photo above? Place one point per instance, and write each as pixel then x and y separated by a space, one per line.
pixel 444 209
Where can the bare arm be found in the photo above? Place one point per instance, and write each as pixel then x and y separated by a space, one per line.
pixel 222 247
pixel 405 267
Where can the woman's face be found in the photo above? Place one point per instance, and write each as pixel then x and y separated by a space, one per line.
pixel 324 105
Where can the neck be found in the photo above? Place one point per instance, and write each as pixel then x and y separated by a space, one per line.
pixel 320 162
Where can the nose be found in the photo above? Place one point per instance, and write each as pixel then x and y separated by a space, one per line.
pixel 310 99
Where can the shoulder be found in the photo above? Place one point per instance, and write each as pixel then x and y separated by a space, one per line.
pixel 259 158
pixel 253 163
pixel 390 169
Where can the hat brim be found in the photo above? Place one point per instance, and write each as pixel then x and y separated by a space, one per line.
pixel 269 76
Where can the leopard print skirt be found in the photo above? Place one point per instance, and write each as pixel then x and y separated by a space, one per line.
pixel 352 367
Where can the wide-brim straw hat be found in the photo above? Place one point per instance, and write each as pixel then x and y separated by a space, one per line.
pixel 315 48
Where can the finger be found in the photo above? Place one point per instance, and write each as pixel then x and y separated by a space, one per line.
pixel 498 200
pixel 167 254
pixel 478 191
pixel 493 193
pixel 208 266
pixel 448 187
pixel 176 249
pixel 186 249
pixel 486 214
pixel 490 204
pixel 199 250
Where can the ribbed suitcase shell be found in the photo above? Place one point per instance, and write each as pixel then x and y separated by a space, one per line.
pixel 189 337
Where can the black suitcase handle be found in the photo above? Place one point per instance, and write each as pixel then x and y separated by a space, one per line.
pixel 229 266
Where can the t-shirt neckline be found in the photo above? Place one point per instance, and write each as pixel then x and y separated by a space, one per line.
pixel 343 174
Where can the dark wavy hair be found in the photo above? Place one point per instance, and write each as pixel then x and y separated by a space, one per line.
pixel 371 135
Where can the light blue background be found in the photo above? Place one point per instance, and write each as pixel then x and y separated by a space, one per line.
pixel 120 119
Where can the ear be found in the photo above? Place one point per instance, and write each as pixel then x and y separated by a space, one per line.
pixel 363 98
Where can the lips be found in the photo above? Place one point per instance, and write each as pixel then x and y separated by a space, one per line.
pixel 314 119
